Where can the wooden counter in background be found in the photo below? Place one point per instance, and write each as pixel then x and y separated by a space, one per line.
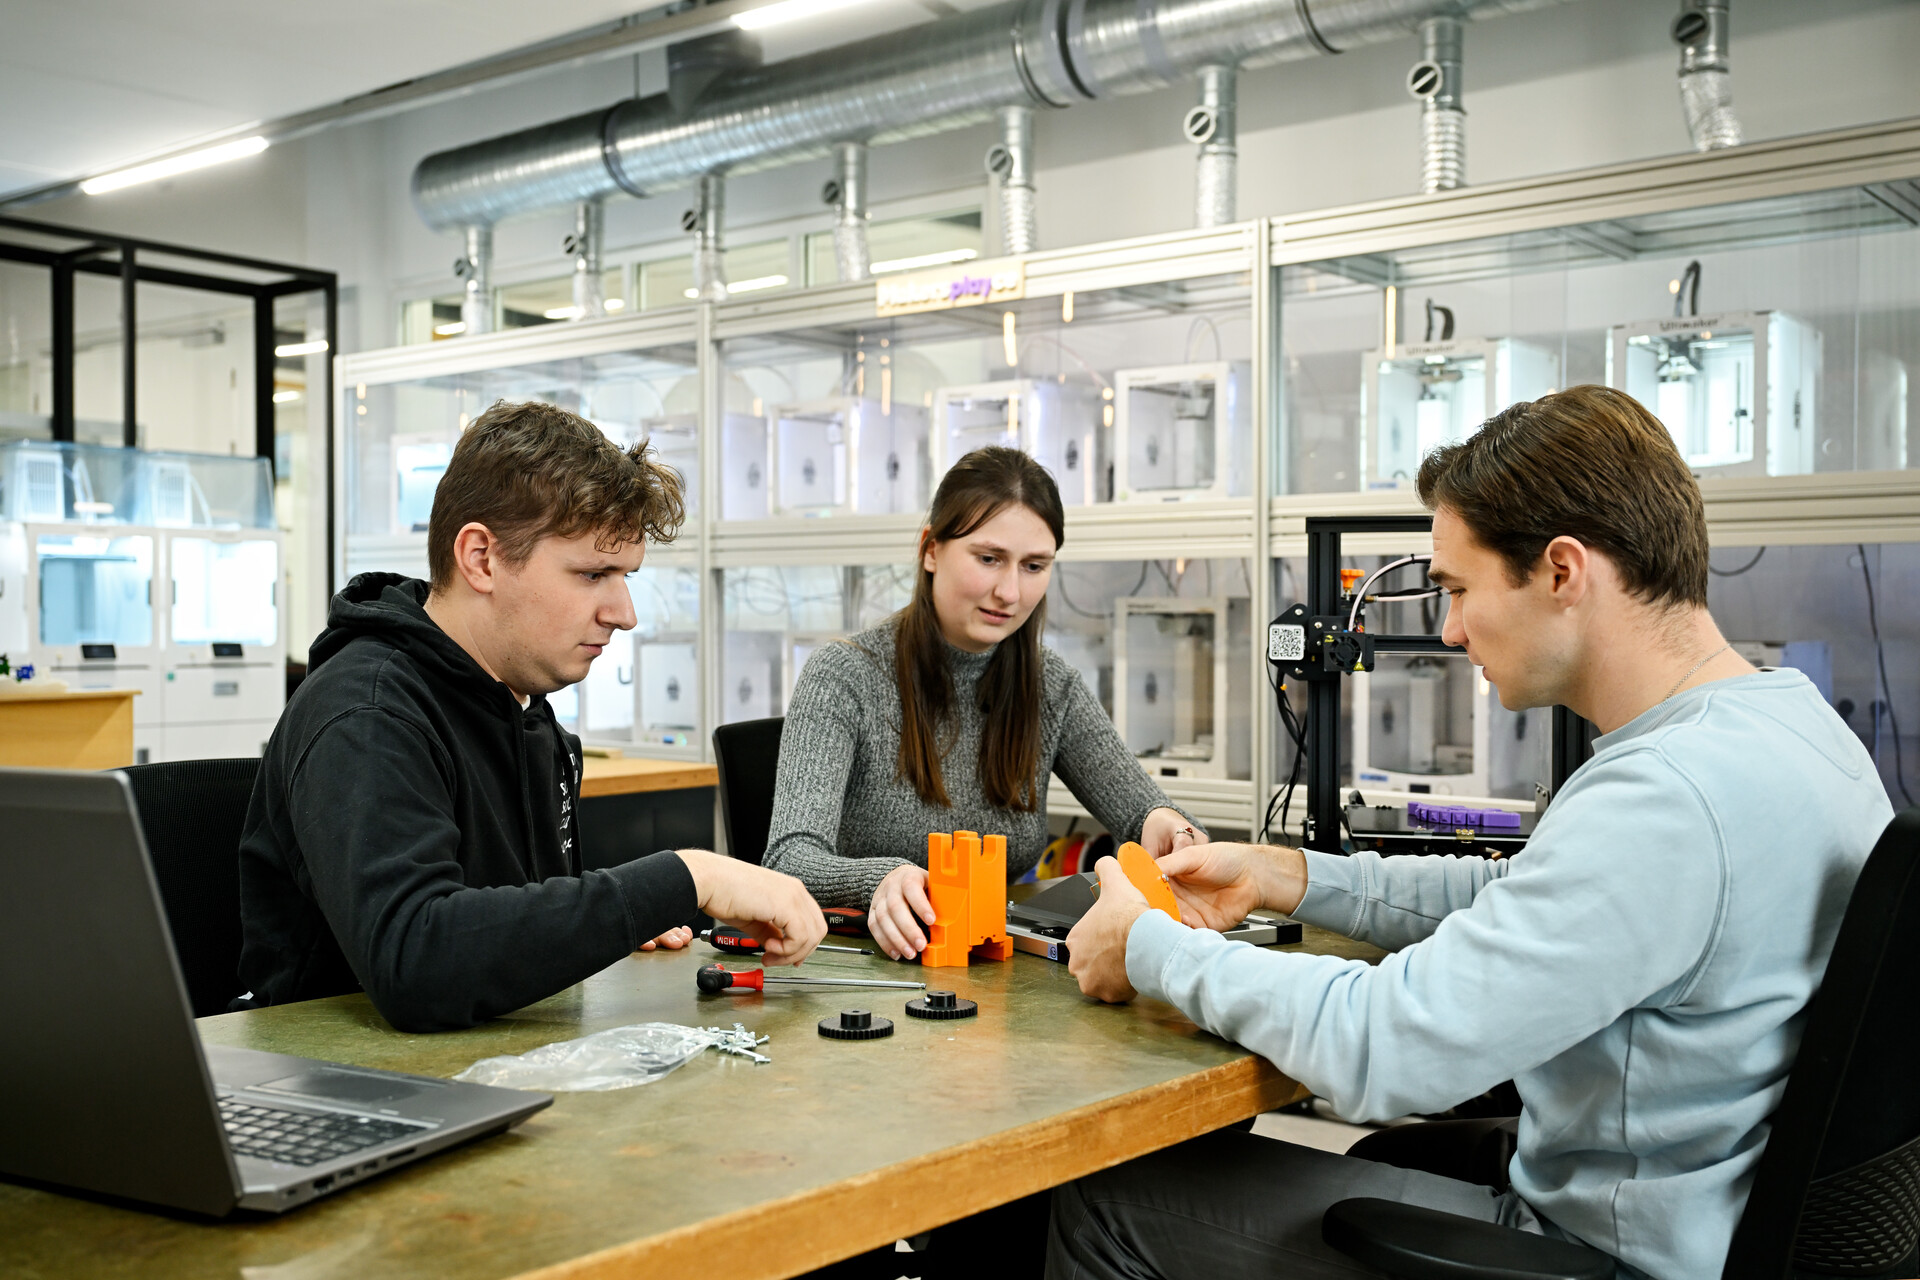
pixel 601 777
pixel 630 808
pixel 66 728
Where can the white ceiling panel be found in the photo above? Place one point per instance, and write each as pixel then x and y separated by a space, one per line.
pixel 90 84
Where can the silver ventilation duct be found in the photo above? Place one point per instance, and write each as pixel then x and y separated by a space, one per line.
pixel 1010 162
pixel 949 74
pixel 475 271
pixel 847 193
pixel 1211 125
pixel 1435 80
pixel 583 246
pixel 1706 86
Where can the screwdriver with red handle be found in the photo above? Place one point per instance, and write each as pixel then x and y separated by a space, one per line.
pixel 739 942
pixel 715 978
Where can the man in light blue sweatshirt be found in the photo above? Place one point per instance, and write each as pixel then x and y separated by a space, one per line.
pixel 1640 971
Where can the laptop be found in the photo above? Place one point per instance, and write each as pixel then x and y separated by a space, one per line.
pixel 107 1085
pixel 1040 924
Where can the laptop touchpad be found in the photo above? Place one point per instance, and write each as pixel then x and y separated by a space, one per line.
pixel 343 1086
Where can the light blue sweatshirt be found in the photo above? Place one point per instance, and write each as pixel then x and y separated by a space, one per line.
pixel 1640 971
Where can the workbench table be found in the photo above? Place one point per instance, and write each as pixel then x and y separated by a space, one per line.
pixel 65 728
pixel 724 1167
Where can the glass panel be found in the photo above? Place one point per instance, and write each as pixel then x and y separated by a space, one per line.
pixel 539 302
pixel 224 591
pixel 1849 617
pixel 1138 392
pixel 903 244
pixel 26 400
pixel 400 436
pixel 206 491
pixel 774 618
pixel 64 483
pixel 95 589
pixel 1771 337
pixel 1165 646
pixel 430 320
pixel 649 675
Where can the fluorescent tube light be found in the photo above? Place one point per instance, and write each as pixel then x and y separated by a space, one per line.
pixel 180 164
pixel 616 304
pixel 945 258
pixel 561 313
pixel 285 397
pixel 758 282
pixel 292 349
pixel 452 329
pixel 787 11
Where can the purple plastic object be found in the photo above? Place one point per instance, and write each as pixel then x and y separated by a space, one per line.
pixel 1446 815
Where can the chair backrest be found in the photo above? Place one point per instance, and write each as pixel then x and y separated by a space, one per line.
pixel 192 813
pixel 747 756
pixel 1837 1191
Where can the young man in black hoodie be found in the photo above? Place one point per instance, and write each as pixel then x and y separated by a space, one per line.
pixel 413 831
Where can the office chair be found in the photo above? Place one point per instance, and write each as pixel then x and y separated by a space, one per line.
pixel 192 813
pixel 1837 1190
pixel 747 756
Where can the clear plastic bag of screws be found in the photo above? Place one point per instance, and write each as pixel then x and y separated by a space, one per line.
pixel 619 1058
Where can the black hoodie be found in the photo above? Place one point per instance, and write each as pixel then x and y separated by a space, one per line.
pixel 412 833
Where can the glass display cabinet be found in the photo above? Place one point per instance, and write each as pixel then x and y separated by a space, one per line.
pixel 153 571
pixel 404 410
pixel 1792 273
pixel 1187 400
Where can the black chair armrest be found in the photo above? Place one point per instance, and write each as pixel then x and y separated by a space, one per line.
pixel 1415 1243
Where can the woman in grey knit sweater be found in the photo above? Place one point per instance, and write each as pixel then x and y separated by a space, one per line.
pixel 950 716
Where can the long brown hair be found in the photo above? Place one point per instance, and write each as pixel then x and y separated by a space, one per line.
pixel 979 487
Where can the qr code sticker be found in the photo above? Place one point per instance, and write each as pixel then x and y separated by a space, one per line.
pixel 1286 643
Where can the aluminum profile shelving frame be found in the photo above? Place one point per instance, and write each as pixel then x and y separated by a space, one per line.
pixel 1882 161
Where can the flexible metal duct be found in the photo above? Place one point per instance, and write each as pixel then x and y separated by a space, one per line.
pixel 1010 161
pixel 847 193
pixel 475 270
pixel 938 76
pixel 1706 86
pixel 1436 81
pixel 706 221
pixel 1212 126
pixel 583 246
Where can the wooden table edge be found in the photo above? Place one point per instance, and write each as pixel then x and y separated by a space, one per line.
pixel 671 775
pixel 63 695
pixel 806 1230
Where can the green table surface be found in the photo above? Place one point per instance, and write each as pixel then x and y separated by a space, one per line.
pixel 766 1170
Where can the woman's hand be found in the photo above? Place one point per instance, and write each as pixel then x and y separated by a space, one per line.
pixel 672 940
pixel 899 907
pixel 1166 830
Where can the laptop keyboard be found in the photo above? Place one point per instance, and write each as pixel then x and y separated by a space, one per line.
pixel 303 1137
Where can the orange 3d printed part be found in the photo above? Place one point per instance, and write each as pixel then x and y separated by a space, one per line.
pixel 967 882
pixel 1145 874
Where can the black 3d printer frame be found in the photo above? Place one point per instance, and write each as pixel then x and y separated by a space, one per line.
pixel 1572 735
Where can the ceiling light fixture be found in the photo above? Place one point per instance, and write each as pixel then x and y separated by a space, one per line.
pixel 289 350
pixel 452 329
pixel 787 11
pixel 562 313
pixel 758 282
pixel 942 259
pixel 285 397
pixel 181 164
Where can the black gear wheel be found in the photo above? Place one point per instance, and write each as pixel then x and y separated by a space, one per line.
pixel 855 1024
pixel 941 1004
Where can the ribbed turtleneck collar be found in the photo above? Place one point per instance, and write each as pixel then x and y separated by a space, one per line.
pixel 967 667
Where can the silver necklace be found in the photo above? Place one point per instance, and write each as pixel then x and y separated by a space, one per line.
pixel 1696 666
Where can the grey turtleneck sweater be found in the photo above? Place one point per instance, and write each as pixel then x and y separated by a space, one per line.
pixel 842 819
